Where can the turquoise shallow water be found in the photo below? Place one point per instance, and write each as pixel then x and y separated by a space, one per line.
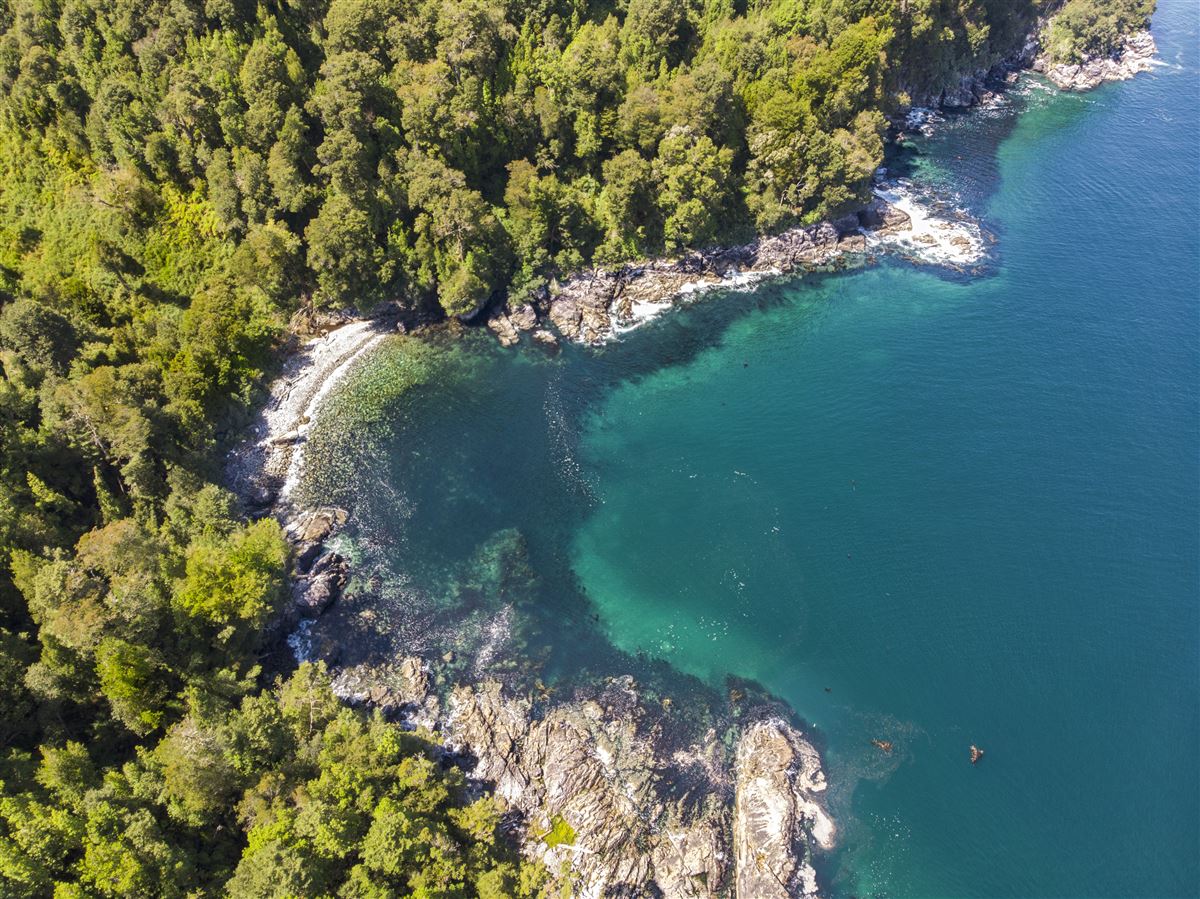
pixel 967 506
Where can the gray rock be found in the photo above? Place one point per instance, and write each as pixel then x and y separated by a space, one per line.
pixel 565 314
pixel 504 329
pixel 965 92
pixel 524 317
pixel 316 525
pixel 592 771
pixel 883 218
pixel 314 593
pixel 777 817
pixel 1135 55
pixel 852 243
pixel 306 555
pixel 635 817
pixel 847 224
pixel 587 306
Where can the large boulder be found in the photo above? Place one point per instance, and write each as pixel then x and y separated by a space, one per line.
pixel 316 525
pixel 504 329
pixel 321 587
pixel 883 218
pixel 523 317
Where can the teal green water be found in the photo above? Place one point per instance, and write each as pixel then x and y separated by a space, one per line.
pixel 969 507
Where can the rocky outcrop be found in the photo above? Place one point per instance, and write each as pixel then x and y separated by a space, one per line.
pixel 615 791
pixel 601 801
pixel 524 317
pixel 308 529
pixel 885 219
pixel 590 306
pixel 777 816
pixel 975 86
pixel 1135 55
pixel 319 574
pixel 504 328
pixel 610 803
pixel 316 590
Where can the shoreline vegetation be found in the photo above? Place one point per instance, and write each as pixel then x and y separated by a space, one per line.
pixel 177 180
pixel 760 777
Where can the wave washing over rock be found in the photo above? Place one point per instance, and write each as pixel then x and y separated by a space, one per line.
pixel 937 232
pixel 599 304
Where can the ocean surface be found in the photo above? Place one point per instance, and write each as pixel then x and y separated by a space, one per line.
pixel 923 506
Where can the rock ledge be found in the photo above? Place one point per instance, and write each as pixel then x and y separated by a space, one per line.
pixel 1136 55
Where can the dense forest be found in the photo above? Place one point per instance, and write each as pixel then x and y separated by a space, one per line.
pixel 1084 28
pixel 177 177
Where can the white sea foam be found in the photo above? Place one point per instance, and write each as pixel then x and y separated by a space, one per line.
pixel 922 119
pixel 642 311
pixel 497 633
pixel 941 234
pixel 300 641
pixel 274 452
pixel 357 336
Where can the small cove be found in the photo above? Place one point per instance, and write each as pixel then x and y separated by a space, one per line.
pixel 963 504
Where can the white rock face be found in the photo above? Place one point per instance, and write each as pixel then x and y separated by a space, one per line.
pixel 777 817
pixel 1137 55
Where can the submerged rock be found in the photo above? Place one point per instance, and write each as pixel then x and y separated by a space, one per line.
pixel 622 787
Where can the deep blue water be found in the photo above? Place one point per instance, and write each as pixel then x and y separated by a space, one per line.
pixel 967 506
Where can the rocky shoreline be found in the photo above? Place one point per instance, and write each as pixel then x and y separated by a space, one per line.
pixel 264 466
pixel 597 304
pixel 1136 55
pixel 594 305
pixel 617 791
